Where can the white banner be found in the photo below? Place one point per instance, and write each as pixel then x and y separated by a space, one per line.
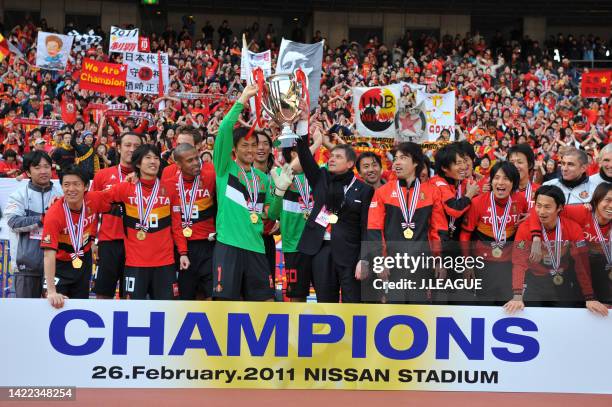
pixel 375 110
pixel 143 72
pixel 251 60
pixel 123 40
pixel 440 112
pixel 174 344
pixel 52 51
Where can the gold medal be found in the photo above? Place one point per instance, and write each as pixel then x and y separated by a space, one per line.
pixel 496 252
pixel 254 217
pixel 187 232
pixel 558 279
pixel 333 218
pixel 141 235
pixel 77 263
pixel 306 215
pixel 408 233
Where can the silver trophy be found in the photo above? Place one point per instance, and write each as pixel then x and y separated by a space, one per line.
pixel 281 97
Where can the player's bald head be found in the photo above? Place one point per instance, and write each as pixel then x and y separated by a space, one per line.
pixel 182 149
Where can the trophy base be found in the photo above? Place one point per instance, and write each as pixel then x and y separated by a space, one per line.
pixel 287 137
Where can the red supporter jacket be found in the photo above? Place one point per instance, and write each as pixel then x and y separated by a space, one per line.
pixel 55 234
pixel 385 219
pixel 574 246
pixel 111 226
pixel 165 225
pixel 477 225
pixel 204 208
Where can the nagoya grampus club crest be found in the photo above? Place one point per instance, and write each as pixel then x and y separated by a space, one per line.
pixel 377 109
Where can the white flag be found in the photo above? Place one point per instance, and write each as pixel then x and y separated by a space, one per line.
pixel 123 40
pixel 251 60
pixel 375 110
pixel 440 112
pixel 143 74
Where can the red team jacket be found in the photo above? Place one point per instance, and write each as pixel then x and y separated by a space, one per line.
pixel 385 217
pixel 574 246
pixel 453 207
pixel 111 226
pixel 477 225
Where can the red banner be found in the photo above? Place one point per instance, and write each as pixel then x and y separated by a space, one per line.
pixel 596 84
pixel 103 77
pixel 143 44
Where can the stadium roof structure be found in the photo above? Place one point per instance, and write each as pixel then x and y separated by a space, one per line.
pixel 577 9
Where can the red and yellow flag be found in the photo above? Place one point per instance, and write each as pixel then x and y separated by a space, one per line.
pixel 596 84
pixel 4 48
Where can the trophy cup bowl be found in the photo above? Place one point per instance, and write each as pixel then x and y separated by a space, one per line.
pixel 281 96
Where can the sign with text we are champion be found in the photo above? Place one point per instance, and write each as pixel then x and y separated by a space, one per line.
pixel 155 344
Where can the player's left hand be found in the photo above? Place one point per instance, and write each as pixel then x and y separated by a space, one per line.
pixel 597 307
pixel 184 262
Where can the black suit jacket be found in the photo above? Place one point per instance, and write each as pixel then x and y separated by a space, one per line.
pixel 348 233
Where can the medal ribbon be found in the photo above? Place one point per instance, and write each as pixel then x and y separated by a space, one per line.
pixel 75 238
pixel 607 248
pixel 346 189
pixel 252 188
pixel 408 212
pixel 144 220
pixel 528 193
pixel 556 259
pixel 499 230
pixel 304 190
pixel 187 207
pixel 451 223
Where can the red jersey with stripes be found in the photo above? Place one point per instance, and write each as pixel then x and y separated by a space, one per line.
pixel 204 208
pixel 478 227
pixel 55 234
pixel 157 249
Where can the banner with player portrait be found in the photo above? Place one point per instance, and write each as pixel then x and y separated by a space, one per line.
pixel 172 344
pixel 53 50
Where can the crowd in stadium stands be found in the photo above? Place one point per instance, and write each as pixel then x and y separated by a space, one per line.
pixel 517 102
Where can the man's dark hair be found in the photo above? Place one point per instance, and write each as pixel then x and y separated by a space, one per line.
pixel 10 154
pixel 415 152
pixel 140 153
pixel 130 133
pixel 445 157
pixel 509 170
pixel 74 170
pixel 32 159
pixel 466 149
pixel 367 154
pixel 552 191
pixel 348 151
pixel 190 130
pixel 600 193
pixel 239 133
pixel 526 150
